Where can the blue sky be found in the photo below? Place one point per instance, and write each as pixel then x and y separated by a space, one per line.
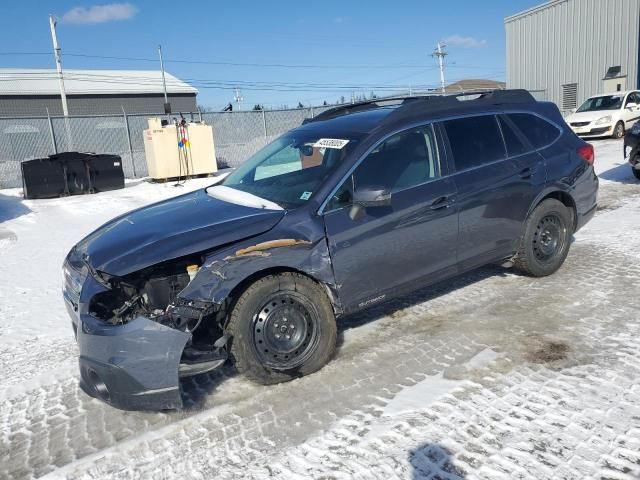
pixel 394 39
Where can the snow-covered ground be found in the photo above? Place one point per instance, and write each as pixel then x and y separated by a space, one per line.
pixel 491 375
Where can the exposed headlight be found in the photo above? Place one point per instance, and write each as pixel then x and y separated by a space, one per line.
pixel 603 120
pixel 74 273
pixel 73 279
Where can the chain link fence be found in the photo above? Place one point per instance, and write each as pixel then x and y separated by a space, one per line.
pixel 237 135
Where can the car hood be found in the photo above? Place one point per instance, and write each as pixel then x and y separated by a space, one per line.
pixel 589 116
pixel 184 225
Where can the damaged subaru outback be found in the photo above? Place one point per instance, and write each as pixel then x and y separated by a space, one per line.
pixel 360 204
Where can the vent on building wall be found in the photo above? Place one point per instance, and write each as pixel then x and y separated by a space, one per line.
pixel 613 72
pixel 569 96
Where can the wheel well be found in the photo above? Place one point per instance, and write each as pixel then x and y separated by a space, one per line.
pixel 566 200
pixel 235 293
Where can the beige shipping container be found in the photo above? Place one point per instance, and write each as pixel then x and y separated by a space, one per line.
pixel 163 153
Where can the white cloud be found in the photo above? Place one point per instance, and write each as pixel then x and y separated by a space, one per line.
pixel 464 42
pixel 100 13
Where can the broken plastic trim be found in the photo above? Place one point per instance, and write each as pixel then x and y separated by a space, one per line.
pixel 225 270
pixel 259 249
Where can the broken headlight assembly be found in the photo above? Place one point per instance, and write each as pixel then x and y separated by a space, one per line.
pixel 152 293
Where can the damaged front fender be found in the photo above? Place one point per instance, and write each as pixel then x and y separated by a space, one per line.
pixel 223 271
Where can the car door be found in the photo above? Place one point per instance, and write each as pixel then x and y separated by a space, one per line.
pixel 377 249
pixel 631 110
pixel 495 187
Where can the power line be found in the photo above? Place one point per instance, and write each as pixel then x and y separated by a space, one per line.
pixel 24 53
pixel 218 62
pixel 242 64
pixel 146 80
pixel 230 85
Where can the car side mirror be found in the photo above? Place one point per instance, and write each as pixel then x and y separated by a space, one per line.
pixel 368 197
pixel 372 197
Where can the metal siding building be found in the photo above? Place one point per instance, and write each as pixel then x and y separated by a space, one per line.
pixel 35 92
pixel 572 43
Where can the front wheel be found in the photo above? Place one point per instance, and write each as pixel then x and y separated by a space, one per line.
pixel 282 327
pixel 545 243
pixel 618 130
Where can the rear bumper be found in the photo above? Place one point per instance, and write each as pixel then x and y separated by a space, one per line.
pixel 585 217
pixel 585 195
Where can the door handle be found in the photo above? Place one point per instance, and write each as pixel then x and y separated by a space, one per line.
pixel 441 202
pixel 526 172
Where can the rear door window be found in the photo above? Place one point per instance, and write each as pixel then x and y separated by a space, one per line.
pixel 475 141
pixel 539 132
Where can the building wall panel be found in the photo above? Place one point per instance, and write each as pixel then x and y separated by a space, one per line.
pixel 37 105
pixel 572 41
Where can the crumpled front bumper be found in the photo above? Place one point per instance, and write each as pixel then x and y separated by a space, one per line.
pixel 134 366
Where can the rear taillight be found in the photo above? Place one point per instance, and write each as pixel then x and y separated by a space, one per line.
pixel 587 153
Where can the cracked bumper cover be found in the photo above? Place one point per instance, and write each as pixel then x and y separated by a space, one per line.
pixel 134 366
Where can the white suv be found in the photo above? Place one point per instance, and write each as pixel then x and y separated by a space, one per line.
pixel 606 115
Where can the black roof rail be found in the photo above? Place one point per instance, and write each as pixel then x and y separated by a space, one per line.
pixel 430 103
pixel 359 107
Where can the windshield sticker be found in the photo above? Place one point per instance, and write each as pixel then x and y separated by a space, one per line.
pixel 305 195
pixel 331 143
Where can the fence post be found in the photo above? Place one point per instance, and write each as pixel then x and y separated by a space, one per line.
pixel 312 114
pixel 200 114
pixel 126 126
pixel 53 136
pixel 264 123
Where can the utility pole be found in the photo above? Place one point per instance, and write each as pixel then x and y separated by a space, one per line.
pixel 238 97
pixel 56 52
pixel 440 54
pixel 167 105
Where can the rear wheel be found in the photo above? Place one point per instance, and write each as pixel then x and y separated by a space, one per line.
pixel 636 173
pixel 282 327
pixel 545 243
pixel 618 130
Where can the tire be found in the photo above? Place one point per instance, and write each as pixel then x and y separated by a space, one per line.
pixel 282 327
pixel 636 173
pixel 618 130
pixel 546 240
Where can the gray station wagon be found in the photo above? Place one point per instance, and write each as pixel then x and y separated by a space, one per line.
pixel 360 204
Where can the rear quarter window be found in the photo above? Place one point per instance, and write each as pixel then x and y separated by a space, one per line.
pixel 514 145
pixel 539 132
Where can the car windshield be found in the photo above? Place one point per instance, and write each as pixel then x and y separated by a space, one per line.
pixel 290 170
pixel 607 102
